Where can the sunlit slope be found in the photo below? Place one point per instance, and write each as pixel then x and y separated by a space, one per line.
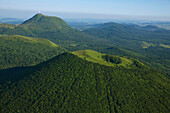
pixel 108 60
pixel 28 40
pixel 16 50
pixel 54 29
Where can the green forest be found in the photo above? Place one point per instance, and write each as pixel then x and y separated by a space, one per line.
pixel 148 44
pixel 142 43
pixel 18 51
pixel 67 83
pixel 47 66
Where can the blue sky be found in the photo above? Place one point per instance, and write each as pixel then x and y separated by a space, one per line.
pixel 113 7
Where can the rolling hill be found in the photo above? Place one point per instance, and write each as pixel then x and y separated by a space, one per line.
pixel 130 36
pixel 53 29
pixel 68 83
pixel 148 44
pixel 17 51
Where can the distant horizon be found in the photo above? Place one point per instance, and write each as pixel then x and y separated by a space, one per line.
pixel 25 14
pixel 110 7
pixel 99 9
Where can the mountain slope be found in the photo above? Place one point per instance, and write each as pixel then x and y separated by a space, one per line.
pixel 150 44
pixel 68 83
pixel 125 36
pixel 53 29
pixel 143 43
pixel 16 50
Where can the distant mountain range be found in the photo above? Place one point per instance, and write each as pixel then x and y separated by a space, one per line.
pixel 146 42
pixel 11 20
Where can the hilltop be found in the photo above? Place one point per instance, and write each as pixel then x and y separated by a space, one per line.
pixel 54 29
pixel 39 19
pixel 108 60
pixel 68 83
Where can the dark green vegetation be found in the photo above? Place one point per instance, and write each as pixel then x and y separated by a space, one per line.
pixel 67 83
pixel 84 80
pixel 54 29
pixel 149 44
pixel 17 51
pixel 112 59
pixel 130 36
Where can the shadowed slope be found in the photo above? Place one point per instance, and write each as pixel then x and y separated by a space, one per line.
pixel 68 83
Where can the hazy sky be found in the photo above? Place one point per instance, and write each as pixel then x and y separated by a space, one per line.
pixel 114 7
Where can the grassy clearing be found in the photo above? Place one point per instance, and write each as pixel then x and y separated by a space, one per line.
pixel 97 57
pixel 165 46
pixel 147 45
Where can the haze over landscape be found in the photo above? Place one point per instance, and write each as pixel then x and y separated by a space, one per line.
pixel 132 9
pixel 85 56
